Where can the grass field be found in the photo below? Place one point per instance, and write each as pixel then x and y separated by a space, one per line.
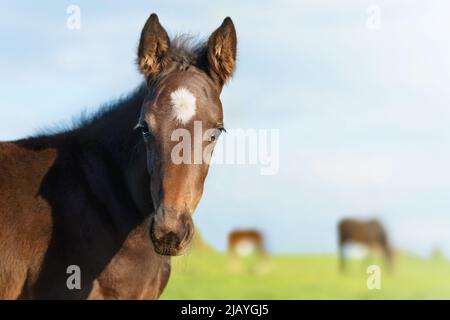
pixel 211 275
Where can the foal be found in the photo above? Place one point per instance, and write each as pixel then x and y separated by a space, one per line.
pixel 107 198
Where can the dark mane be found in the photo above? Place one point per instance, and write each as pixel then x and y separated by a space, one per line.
pixel 110 120
pixel 87 119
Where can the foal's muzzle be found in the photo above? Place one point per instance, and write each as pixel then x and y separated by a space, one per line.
pixel 171 231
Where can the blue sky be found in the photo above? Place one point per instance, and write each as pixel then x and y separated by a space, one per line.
pixel 363 114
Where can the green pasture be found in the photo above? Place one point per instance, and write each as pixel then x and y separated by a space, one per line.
pixel 206 274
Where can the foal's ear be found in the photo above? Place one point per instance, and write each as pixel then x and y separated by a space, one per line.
pixel 153 46
pixel 221 51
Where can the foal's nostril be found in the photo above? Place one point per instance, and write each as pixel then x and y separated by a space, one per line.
pixel 170 239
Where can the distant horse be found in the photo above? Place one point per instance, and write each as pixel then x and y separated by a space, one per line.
pixel 370 233
pixel 251 237
pixel 106 196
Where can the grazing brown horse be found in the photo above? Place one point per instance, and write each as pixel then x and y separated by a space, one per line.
pixel 253 237
pixel 106 195
pixel 370 233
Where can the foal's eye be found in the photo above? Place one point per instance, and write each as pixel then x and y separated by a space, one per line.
pixel 217 133
pixel 145 129
pixel 143 126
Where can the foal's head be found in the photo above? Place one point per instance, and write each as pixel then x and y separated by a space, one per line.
pixel 182 119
